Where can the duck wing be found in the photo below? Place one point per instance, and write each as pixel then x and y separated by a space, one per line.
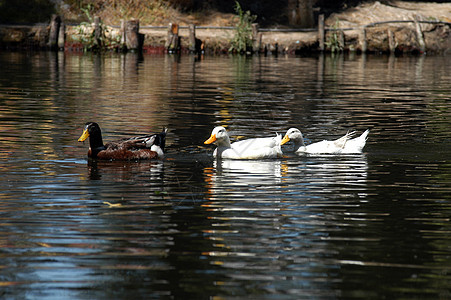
pixel 328 147
pixel 341 142
pixel 257 148
pixel 135 148
pixel 134 143
pixel 141 142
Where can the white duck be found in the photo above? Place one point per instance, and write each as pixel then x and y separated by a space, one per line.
pixel 256 148
pixel 343 145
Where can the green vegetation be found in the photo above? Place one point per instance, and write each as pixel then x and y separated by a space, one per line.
pixel 334 42
pixel 242 41
pixel 87 35
pixel 26 11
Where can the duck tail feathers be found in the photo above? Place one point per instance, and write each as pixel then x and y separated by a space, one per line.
pixel 162 138
pixel 364 135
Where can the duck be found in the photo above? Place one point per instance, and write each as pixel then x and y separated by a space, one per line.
pixel 134 148
pixel 343 145
pixel 253 148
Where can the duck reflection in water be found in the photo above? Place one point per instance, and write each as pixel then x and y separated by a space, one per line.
pixel 250 169
pixel 330 173
pixel 124 171
pixel 329 177
pixel 240 177
pixel 284 207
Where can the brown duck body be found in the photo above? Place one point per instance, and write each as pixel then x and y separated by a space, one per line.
pixel 122 151
pixel 136 148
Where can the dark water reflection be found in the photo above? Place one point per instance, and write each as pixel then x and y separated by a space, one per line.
pixel 374 225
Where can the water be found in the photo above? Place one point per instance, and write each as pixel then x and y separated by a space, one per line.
pixel 375 225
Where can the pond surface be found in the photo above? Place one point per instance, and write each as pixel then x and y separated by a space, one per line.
pixel 374 225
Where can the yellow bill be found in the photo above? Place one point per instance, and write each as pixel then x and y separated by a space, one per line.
pixel 84 135
pixel 211 139
pixel 285 140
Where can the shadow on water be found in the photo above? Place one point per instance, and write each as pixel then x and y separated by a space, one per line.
pixel 371 225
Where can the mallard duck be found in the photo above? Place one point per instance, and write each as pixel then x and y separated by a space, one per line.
pixel 135 148
pixel 256 148
pixel 343 145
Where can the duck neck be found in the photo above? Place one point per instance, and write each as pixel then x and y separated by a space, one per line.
pixel 298 142
pixel 224 142
pixel 96 142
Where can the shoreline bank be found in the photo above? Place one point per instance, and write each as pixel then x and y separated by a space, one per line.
pixel 412 37
pixel 369 28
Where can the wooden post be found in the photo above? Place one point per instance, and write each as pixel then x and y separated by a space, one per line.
pixel 132 35
pixel 192 38
pixel 61 37
pixel 255 38
pixel 260 43
pixel 122 33
pixel 175 39
pixel 97 32
pixel 391 41
pixel 420 37
pixel 321 33
pixel 172 42
pixel 363 40
pixel 169 37
pixel 341 39
pixel 54 32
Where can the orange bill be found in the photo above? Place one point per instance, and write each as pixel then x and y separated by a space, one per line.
pixel 285 139
pixel 211 139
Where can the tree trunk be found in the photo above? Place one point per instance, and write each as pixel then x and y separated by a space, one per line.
pixel 54 32
pixel 132 35
pixel 300 13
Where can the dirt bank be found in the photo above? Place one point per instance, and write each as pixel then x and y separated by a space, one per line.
pixel 404 36
pixel 431 32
